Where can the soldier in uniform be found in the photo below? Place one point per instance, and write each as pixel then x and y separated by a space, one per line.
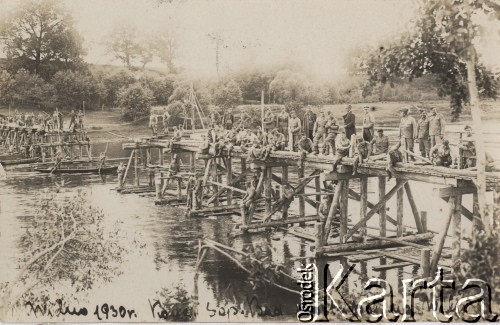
pixel 393 156
pixel 228 119
pixel 121 172
pixel 294 128
pixel 424 142
pixel 368 124
pixel 407 129
pixel 332 129
pixel 152 123
pixel 349 122
pixel 342 146
pixel 166 118
pixel 436 127
pixel 269 121
pixel 319 131
pixel 441 154
pixel 308 122
pixel 380 143
pixel 361 153
pixel 282 123
pixel 467 149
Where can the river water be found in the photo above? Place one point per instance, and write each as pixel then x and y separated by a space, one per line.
pixel 162 250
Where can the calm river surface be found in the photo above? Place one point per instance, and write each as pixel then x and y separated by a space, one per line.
pixel 163 247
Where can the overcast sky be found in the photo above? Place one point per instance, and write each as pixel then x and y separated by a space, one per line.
pixel 316 34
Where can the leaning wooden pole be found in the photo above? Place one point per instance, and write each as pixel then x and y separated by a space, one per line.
pixel 331 213
pixel 478 137
pixel 438 249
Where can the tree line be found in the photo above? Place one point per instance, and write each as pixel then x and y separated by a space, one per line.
pixel 45 68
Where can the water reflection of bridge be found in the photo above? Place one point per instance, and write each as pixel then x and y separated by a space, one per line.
pixel 403 237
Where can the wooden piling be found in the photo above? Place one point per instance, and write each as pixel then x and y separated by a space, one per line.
pixel 423 220
pixel 381 211
pixel 425 257
pixel 331 213
pixel 344 201
pixel 414 208
pixel 229 178
pixel 136 168
pixel 456 227
pixel 399 214
pixel 302 207
pixel 363 204
pixel 284 180
pixel 268 171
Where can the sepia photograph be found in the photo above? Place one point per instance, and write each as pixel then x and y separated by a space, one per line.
pixel 253 161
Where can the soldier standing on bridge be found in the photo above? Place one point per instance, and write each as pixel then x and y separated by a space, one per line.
pixel 308 122
pixel 368 124
pixel 424 142
pixel 294 130
pixel 269 121
pixel 407 130
pixel 121 172
pixel 282 122
pixel 152 123
pixel 213 116
pixel 349 122
pixel 228 119
pixel 166 119
pixel 436 127
pixel 332 129
pixel 319 131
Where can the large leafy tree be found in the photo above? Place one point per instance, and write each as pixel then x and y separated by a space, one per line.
pixel 136 100
pixel 289 86
pixel 39 35
pixel 164 45
pixel 227 95
pixel 124 43
pixel 442 41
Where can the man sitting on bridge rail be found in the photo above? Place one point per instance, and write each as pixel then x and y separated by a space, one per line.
pixel 342 146
pixel 393 156
pixel 467 149
pixel 361 153
pixel 305 147
pixel 441 154
pixel 379 146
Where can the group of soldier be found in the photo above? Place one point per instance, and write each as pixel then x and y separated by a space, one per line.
pixel 286 131
pixel 46 122
pixel 156 122
pixel 323 134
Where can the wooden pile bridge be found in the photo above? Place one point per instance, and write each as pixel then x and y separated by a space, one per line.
pixel 36 142
pixel 284 177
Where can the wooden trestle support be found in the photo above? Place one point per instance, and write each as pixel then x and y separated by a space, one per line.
pixel 33 142
pixel 224 182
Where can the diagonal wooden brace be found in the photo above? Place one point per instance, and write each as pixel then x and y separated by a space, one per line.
pixel 377 207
